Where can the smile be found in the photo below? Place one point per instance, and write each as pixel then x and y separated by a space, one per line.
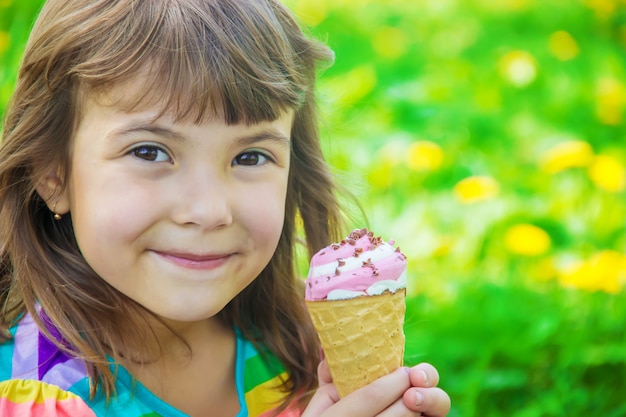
pixel 194 261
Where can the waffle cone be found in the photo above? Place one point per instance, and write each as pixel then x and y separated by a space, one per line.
pixel 362 337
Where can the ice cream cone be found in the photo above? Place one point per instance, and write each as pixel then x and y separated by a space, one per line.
pixel 362 337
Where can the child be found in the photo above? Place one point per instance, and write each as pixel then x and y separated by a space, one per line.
pixel 157 158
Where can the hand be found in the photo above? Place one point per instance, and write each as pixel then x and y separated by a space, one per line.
pixel 392 395
pixel 424 396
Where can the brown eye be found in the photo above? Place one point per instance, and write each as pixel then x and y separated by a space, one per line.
pixel 150 153
pixel 251 158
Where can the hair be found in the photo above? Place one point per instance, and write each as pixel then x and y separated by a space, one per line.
pixel 243 60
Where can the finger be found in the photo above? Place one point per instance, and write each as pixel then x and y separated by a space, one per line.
pixel 398 409
pixel 433 402
pixel 325 397
pixel 323 373
pixel 424 375
pixel 372 399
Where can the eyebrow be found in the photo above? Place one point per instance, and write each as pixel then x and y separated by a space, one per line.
pixel 145 127
pixel 264 135
pixel 267 134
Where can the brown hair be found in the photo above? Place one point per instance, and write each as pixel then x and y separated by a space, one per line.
pixel 243 60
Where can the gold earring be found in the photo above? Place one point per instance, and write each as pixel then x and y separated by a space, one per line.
pixel 56 216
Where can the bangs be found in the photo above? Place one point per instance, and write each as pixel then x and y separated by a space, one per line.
pixel 236 60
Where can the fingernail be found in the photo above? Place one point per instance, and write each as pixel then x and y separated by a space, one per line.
pixel 424 375
pixel 418 398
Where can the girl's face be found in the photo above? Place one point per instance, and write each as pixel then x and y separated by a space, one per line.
pixel 177 216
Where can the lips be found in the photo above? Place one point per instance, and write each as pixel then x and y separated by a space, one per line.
pixel 194 261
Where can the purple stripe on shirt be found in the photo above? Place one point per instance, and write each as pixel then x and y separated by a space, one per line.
pixel 36 357
pixel 25 354
pixel 67 374
pixel 49 354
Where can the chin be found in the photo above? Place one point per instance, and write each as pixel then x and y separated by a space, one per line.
pixel 186 314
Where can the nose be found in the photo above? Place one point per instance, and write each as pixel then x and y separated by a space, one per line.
pixel 202 199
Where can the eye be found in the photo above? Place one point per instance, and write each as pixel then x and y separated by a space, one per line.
pixel 251 158
pixel 150 153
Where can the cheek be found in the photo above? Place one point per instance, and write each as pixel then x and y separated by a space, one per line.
pixel 101 234
pixel 106 215
pixel 265 214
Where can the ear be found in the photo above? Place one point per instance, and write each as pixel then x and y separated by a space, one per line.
pixel 52 190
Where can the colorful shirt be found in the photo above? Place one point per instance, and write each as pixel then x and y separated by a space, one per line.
pixel 37 379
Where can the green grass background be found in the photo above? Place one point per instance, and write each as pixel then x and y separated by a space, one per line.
pixel 487 138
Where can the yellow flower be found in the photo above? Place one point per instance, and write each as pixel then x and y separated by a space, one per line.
pixel 610 100
pixel 354 85
pixel 476 188
pixel 527 240
pixel 607 173
pixel 443 246
pixel 311 13
pixel 604 271
pixel 603 8
pixel 382 175
pixel 389 42
pixel 563 46
pixel 5 40
pixel 424 156
pixel 567 154
pixel 519 68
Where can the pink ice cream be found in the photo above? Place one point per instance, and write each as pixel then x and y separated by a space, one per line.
pixel 359 265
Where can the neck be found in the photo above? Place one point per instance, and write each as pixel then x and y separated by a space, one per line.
pixel 167 340
pixel 195 370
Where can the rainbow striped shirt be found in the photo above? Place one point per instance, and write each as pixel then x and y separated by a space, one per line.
pixel 37 379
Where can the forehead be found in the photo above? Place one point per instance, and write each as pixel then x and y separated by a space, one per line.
pixel 147 91
pixel 128 103
pixel 182 97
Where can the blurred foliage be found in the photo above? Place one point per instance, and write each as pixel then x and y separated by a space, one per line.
pixel 487 138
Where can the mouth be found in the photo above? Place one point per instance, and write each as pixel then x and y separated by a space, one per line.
pixel 194 261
